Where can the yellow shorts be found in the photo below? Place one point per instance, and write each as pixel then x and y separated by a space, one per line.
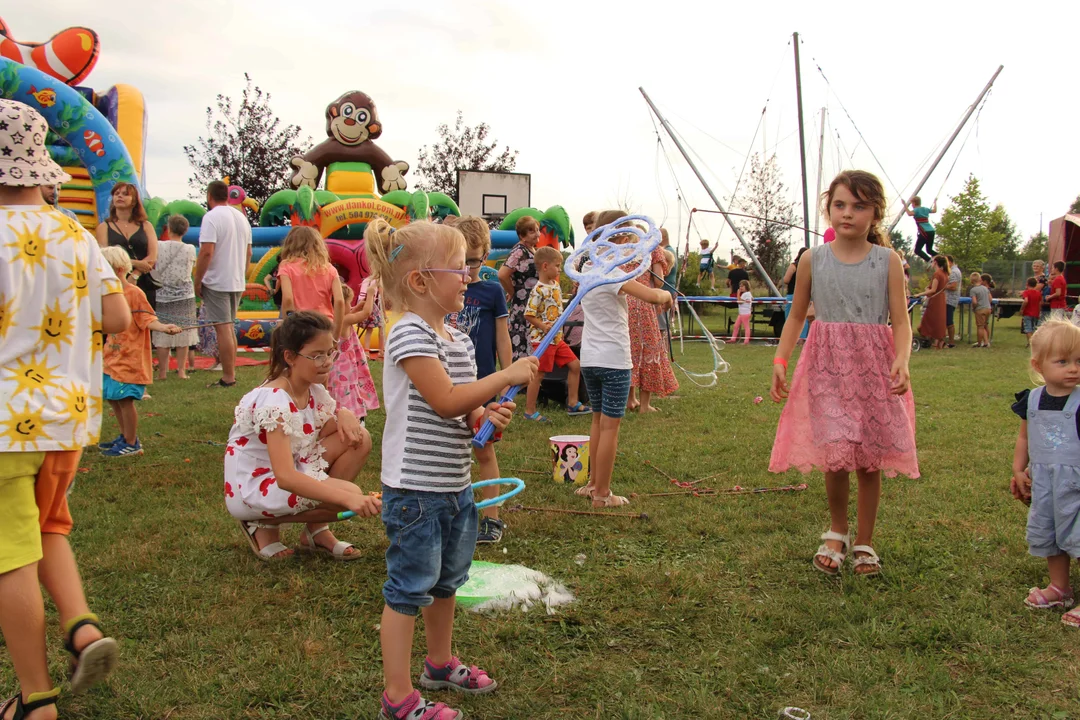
pixel 20 530
pixel 33 500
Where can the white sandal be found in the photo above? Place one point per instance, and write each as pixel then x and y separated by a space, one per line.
pixel 308 544
pixel 270 551
pixel 870 558
pixel 824 551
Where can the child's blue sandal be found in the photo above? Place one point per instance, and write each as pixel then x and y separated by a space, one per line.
pixel 578 409
pixel 94 662
pixel 536 417
pixel 33 702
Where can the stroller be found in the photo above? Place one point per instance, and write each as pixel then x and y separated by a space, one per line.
pixel 917 341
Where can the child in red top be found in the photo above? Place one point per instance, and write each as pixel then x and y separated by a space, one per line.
pixel 1029 308
pixel 1058 287
pixel 128 367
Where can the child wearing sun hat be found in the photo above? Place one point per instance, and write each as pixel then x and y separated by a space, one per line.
pixel 57 298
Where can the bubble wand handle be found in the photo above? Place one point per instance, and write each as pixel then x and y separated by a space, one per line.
pixel 604 268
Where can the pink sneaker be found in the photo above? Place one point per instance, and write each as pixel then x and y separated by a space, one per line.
pixel 415 707
pixel 456 676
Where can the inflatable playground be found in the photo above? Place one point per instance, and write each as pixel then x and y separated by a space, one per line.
pixel 338 186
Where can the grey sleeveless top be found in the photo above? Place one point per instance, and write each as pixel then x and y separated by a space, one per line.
pixel 851 293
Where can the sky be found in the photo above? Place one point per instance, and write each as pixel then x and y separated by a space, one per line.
pixel 558 81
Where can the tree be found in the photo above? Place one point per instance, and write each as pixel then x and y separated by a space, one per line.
pixel 900 242
pixel 768 229
pixel 1009 244
pixel 246 143
pixel 1036 247
pixel 1075 207
pixel 965 228
pixel 463 148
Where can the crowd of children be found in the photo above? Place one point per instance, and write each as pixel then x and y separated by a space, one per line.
pixel 82 331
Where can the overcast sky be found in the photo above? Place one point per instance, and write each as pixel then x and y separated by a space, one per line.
pixel 558 81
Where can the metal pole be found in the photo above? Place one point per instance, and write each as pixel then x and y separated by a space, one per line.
pixel 820 160
pixel 945 149
pixel 802 145
pixel 671 133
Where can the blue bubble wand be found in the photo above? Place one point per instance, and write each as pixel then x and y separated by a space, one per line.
pixel 606 256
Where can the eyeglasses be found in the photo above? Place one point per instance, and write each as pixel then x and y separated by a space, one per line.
pixel 462 273
pixel 475 262
pixel 322 358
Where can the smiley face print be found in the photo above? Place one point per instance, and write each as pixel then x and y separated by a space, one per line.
pixel 23 428
pixel 30 249
pixel 80 285
pixel 32 375
pixel 56 327
pixel 74 404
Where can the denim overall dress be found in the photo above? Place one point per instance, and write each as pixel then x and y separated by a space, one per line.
pixel 1053 526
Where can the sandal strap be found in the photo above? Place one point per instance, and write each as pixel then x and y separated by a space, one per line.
pixel 837 537
pixel 312 534
pixel 340 547
pixel 273 549
pixel 827 552
pixel 34 701
pixel 72 626
pixel 871 557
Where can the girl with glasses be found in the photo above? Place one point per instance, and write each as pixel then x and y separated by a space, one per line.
pixel 293 452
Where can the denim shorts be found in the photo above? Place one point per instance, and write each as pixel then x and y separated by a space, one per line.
pixel 432 539
pixel 608 389
pixel 1029 324
pixel 950 311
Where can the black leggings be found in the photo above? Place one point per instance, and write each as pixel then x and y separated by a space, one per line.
pixel 925 239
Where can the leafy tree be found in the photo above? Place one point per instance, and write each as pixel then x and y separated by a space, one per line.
pixel 965 228
pixel 245 142
pixel 768 230
pixel 1001 224
pixel 1075 207
pixel 900 242
pixel 460 148
pixel 1036 247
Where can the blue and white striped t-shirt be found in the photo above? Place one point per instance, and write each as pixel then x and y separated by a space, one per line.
pixel 420 449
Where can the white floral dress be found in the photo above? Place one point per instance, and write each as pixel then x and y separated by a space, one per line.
pixel 251 490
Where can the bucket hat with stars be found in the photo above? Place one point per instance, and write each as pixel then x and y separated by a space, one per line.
pixel 24 161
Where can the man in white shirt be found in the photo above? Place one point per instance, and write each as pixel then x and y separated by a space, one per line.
pixel 221 271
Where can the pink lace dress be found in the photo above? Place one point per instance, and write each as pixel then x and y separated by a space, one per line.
pixel 840 413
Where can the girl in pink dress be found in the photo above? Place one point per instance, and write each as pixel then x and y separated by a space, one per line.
pixel 310 282
pixel 850 406
pixel 350 381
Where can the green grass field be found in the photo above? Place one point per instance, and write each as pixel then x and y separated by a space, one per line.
pixel 708 609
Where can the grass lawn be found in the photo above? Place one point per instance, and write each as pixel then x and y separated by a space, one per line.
pixel 708 609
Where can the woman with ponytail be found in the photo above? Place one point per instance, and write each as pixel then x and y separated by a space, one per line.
pixel 293 454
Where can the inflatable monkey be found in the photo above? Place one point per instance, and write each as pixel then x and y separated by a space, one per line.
pixel 352 123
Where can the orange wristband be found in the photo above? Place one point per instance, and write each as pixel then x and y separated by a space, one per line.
pixel 780 361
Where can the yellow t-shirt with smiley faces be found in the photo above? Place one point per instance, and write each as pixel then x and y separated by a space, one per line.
pixel 52 279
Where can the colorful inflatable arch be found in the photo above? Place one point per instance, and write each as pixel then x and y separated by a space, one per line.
pixel 93 141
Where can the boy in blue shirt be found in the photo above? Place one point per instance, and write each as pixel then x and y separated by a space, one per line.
pixel 484 319
pixel 925 228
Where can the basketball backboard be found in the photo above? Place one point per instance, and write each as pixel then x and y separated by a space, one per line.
pixel 492 195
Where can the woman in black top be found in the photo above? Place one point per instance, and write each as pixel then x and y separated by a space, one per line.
pixel 127 227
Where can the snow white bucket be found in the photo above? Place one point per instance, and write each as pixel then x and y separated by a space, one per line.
pixel 570 459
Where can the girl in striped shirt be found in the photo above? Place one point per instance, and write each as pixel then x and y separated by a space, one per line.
pixel 434 404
